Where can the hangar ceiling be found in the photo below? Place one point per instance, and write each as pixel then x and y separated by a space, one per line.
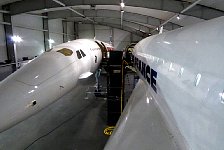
pixel 142 17
pixel 3 2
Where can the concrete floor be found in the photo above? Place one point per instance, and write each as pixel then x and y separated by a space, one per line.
pixel 71 123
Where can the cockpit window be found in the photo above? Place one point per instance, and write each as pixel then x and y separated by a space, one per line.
pixel 65 51
pixel 83 54
pixel 78 54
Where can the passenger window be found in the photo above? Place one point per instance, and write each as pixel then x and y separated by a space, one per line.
pixel 83 54
pixel 78 55
pixel 65 51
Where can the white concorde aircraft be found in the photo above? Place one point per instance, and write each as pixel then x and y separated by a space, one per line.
pixel 179 102
pixel 47 78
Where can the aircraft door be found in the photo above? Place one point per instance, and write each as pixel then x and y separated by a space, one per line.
pixel 102 48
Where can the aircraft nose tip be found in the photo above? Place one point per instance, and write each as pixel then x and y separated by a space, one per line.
pixel 13 102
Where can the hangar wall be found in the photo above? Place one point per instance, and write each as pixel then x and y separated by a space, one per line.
pixel 55 31
pixel 3 52
pixel 121 39
pixel 98 32
pixel 118 38
pixel 135 38
pixel 70 31
pixel 30 28
pixel 31 33
pixel 85 31
pixel 103 33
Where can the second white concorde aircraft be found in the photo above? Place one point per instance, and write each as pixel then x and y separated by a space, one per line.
pixel 47 78
pixel 179 103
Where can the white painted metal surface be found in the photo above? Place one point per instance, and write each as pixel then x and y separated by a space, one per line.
pixel 142 126
pixel 45 79
pixel 189 91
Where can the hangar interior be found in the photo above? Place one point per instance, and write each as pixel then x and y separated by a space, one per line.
pixel 43 24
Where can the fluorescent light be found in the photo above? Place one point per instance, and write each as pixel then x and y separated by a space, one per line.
pixel 171 67
pixel 222 97
pixel 181 71
pixel 85 75
pixel 31 91
pixel 147 100
pixel 122 5
pixel 198 78
pixel 166 42
pixel 16 39
pixel 51 41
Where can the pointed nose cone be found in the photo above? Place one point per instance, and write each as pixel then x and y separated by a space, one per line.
pixel 33 87
pixel 42 68
pixel 27 90
pixel 14 98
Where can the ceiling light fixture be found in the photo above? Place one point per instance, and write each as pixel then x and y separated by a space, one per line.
pixel 51 41
pixel 16 39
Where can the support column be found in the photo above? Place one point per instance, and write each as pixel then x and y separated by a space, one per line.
pixel 115 102
pixel 113 40
pixel 46 31
pixel 8 34
pixel 111 36
pixel 94 31
pixel 131 37
pixel 65 31
pixel 76 31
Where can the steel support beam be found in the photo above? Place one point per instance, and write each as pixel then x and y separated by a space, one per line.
pixel 76 30
pixel 175 15
pixel 198 11
pixel 71 9
pixel 8 34
pixel 65 31
pixel 45 32
pixel 111 36
pixel 117 26
pixel 131 17
pixel 94 30
pixel 134 27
